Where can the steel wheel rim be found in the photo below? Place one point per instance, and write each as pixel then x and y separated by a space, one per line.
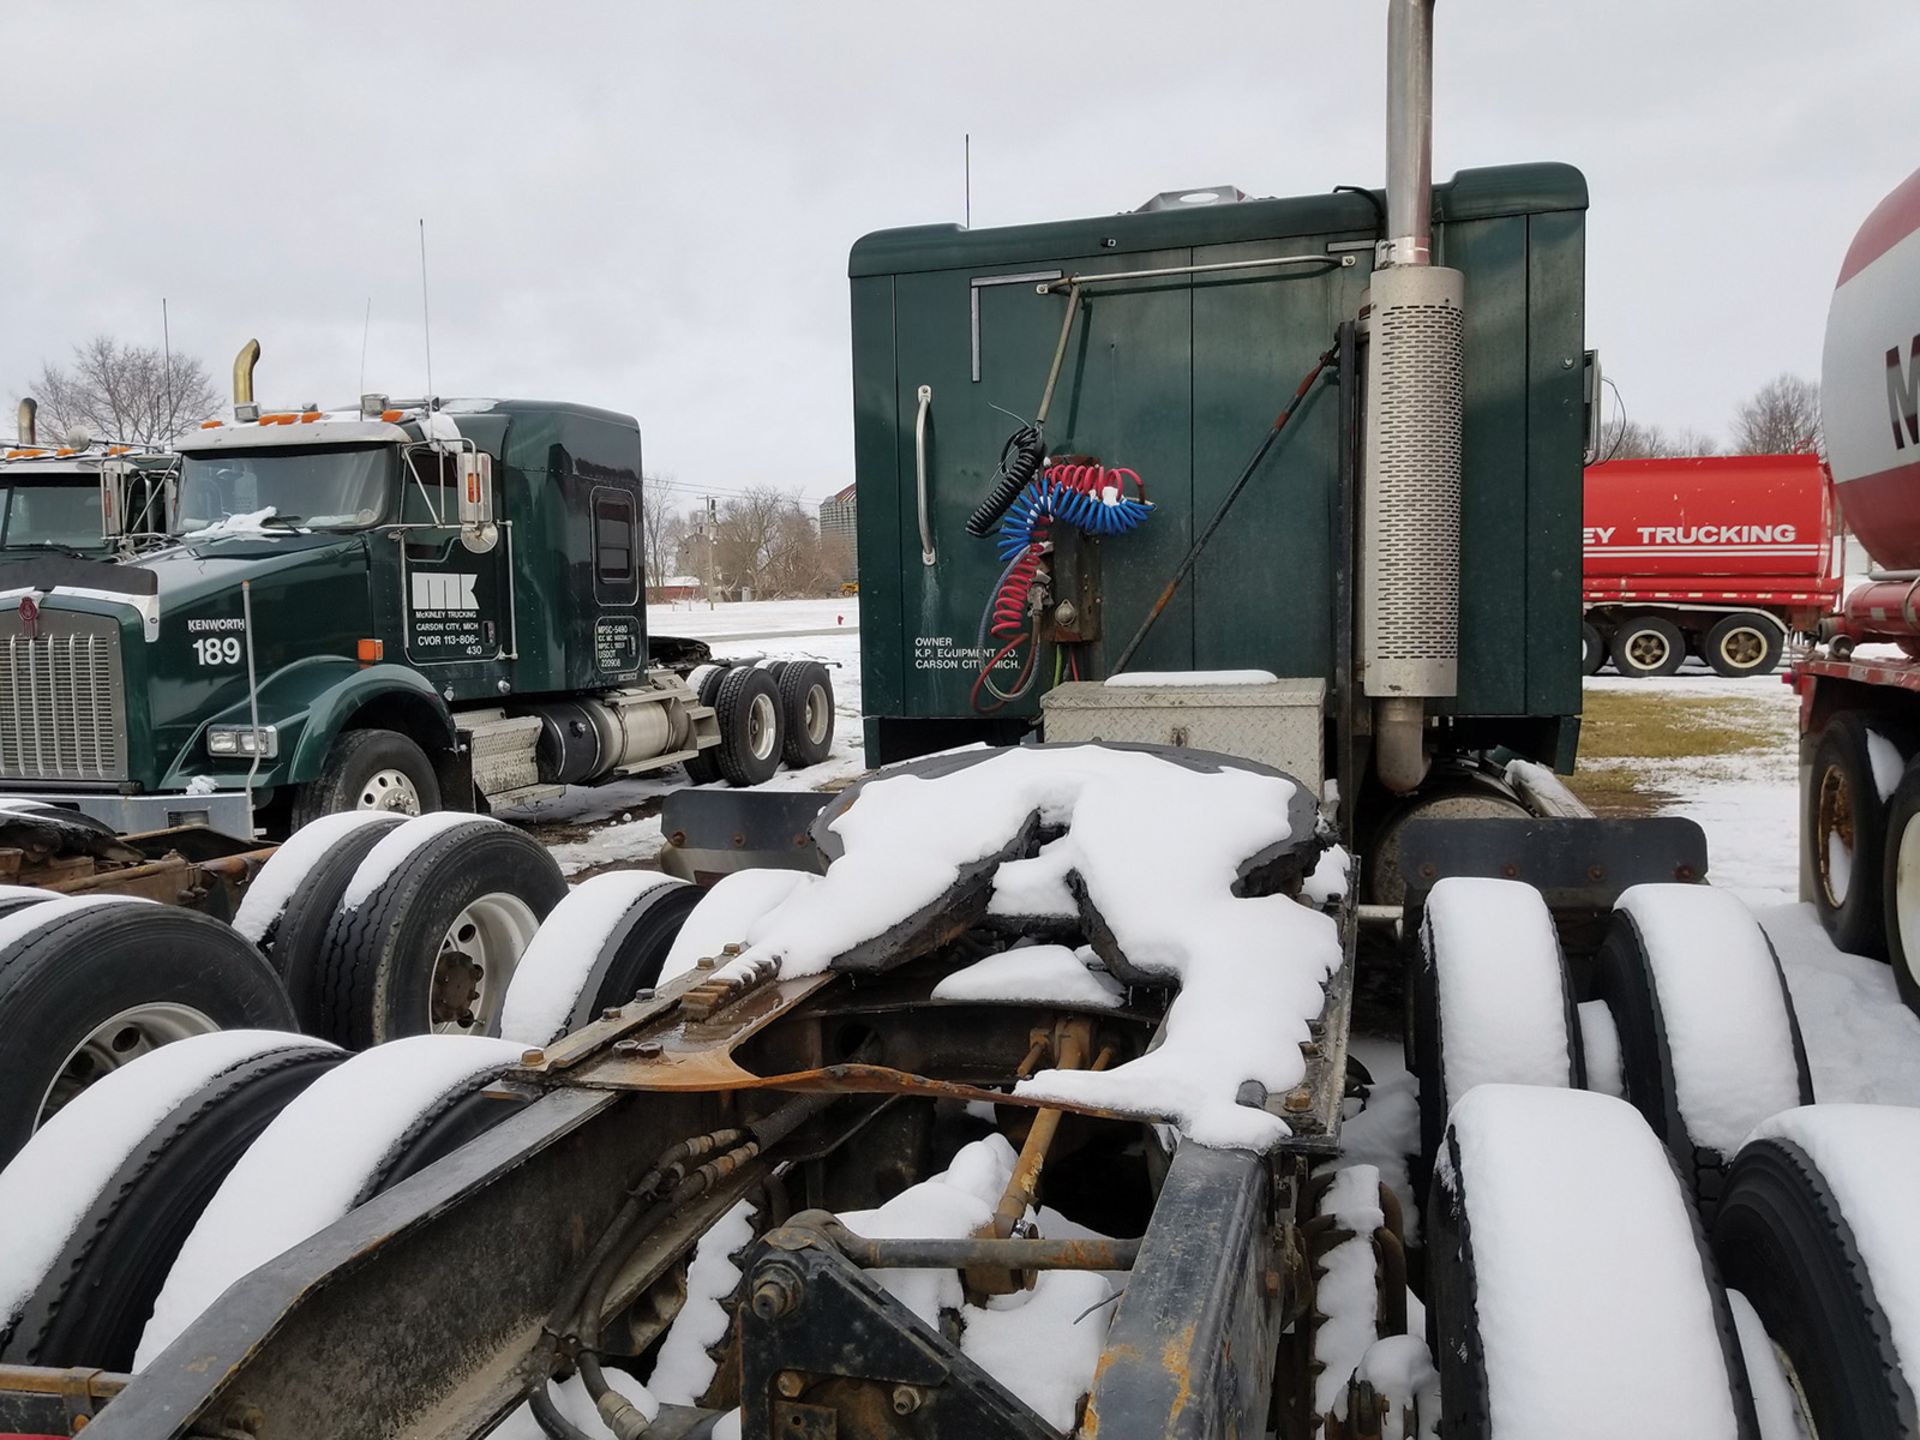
pixel 391 790
pixel 761 726
pixel 1833 822
pixel 1743 648
pixel 819 713
pixel 1906 895
pixel 1648 649
pixel 475 964
pixel 117 1041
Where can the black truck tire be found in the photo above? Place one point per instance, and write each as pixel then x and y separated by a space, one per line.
pixel 94 1299
pixel 1742 644
pixel 299 937
pixel 1846 827
pixel 89 985
pixel 394 963
pixel 1509 1277
pixel 1691 1056
pixel 806 701
pixel 1647 647
pixel 704 768
pixel 1900 885
pixel 369 1122
pixel 584 959
pixel 1500 996
pixel 370 770
pixel 751 733
pixel 1788 1242
pixel 1593 648
pixel 292 866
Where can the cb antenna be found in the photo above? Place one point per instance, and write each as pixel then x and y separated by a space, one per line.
pixel 166 361
pixel 426 315
pixel 967 174
pixel 365 326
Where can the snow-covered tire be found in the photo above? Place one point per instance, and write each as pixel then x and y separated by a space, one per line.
pixel 1491 1000
pixel 1845 826
pixel 1593 648
pixel 116 1181
pixel 300 934
pixel 1900 886
pixel 806 700
pixel 88 985
pixel 356 1131
pixel 704 768
pixel 1570 1292
pixel 430 928
pixel 1742 644
pixel 1815 1230
pixel 1709 1043
pixel 751 733
pixel 370 770
pixel 292 865
pixel 598 947
pixel 13 897
pixel 727 912
pixel 1648 646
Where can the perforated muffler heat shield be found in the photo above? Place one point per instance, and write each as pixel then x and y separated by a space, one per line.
pixel 1410 517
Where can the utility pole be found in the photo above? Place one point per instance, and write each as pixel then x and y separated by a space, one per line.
pixel 713 522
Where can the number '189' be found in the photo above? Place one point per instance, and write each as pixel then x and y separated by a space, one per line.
pixel 218 650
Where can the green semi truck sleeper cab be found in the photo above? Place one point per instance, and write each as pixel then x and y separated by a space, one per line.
pixel 409 606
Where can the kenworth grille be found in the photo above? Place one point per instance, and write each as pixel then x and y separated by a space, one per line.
pixel 62 704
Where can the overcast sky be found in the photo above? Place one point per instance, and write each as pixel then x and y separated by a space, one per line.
pixel 649 206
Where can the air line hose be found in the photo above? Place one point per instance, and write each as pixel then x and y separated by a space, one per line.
pixel 1020 461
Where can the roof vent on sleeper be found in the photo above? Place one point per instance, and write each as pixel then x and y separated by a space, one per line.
pixel 1191 199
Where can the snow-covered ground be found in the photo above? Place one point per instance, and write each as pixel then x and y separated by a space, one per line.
pixel 596 827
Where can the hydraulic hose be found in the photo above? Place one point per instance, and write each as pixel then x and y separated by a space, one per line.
pixel 1020 461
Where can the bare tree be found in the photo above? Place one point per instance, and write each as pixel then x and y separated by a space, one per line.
pixel 124 393
pixel 662 527
pixel 1630 440
pixel 1782 418
pixel 766 541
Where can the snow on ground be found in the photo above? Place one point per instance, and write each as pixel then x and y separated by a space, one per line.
pixel 594 827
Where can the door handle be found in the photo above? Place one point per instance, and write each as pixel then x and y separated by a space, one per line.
pixel 920 472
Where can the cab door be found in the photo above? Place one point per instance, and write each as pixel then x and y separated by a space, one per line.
pixel 456 589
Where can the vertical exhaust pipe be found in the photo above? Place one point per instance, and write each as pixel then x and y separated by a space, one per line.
pixel 1410 132
pixel 244 406
pixel 28 409
pixel 1410 526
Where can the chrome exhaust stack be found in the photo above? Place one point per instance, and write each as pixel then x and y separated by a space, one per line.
pixel 1410 517
pixel 244 405
pixel 27 435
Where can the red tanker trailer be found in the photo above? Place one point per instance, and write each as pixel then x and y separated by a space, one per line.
pixel 1860 716
pixel 1726 556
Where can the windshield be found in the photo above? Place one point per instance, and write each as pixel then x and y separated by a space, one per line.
pixel 329 486
pixel 63 515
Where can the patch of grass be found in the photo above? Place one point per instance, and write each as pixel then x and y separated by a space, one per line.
pixel 1631 740
pixel 1650 725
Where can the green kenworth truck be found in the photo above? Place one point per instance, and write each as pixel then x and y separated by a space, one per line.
pixel 412 605
pixel 81 497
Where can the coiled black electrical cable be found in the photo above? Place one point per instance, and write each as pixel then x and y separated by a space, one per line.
pixel 1020 461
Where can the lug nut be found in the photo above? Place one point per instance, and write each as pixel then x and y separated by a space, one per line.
pixel 645 992
pixel 791 1383
pixel 533 1056
pixel 612 1012
pixel 906 1399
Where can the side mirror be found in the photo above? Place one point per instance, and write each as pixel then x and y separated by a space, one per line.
pixel 1596 407
pixel 116 479
pixel 474 471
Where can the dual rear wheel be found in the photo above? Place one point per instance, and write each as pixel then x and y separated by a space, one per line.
pixel 1650 646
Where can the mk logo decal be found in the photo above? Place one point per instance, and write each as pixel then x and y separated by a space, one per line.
pixel 444 592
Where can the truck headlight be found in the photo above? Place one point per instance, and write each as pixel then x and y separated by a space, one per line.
pixel 243 740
